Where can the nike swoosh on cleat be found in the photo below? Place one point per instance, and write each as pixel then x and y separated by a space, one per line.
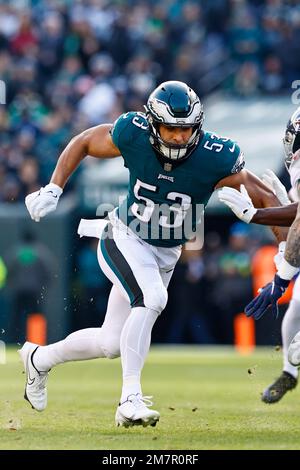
pixel 30 381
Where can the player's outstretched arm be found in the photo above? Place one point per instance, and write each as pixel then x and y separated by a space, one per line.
pixel 280 216
pixel 257 195
pixel 260 194
pixel 95 142
pixel 241 204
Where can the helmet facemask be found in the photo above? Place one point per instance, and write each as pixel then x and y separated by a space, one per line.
pixel 170 151
pixel 174 104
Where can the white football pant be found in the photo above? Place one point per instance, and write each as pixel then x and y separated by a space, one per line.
pixel 140 274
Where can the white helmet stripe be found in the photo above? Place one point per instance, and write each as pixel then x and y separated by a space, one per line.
pixel 162 113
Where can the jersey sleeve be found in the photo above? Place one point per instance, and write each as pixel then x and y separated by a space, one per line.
pixel 232 160
pixel 121 131
pixel 128 134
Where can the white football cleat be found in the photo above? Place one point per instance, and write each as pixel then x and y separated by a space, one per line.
pixel 294 351
pixel 35 388
pixel 134 412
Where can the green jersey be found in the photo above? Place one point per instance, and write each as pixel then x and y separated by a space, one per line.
pixel 165 202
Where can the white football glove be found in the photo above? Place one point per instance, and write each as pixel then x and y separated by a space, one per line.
pixel 44 201
pixel 239 202
pixel 274 183
pixel 279 255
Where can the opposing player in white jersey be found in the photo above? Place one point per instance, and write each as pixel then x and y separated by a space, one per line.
pixel 287 261
pixel 174 166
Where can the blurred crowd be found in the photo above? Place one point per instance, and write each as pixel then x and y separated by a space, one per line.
pixel 70 64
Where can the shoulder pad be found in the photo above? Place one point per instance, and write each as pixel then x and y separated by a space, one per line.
pixel 125 127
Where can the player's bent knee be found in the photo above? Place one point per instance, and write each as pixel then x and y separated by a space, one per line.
pixel 112 354
pixel 111 347
pixel 156 298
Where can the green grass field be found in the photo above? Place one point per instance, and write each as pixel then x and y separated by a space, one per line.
pixel 208 399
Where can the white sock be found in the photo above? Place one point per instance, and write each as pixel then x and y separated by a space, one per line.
pixel 131 386
pixel 89 343
pixel 135 343
pixel 80 345
pixel 290 326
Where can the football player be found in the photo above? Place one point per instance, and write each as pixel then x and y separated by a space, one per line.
pixel 174 167
pixel 287 262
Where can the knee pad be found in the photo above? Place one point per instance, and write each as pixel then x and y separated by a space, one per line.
pixel 156 297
